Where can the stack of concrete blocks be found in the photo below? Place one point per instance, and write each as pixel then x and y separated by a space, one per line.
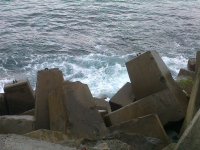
pixel 72 111
pixel 47 80
pixel 19 98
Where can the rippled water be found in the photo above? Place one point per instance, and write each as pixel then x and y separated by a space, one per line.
pixel 90 41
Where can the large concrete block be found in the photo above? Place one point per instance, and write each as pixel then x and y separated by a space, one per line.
pixel 184 72
pixel 3 107
pixel 123 97
pixel 16 124
pixel 101 104
pixel 190 138
pixel 72 111
pixel 19 96
pixel 149 74
pixel 191 64
pixel 194 102
pixel 162 103
pixel 47 80
pixel 149 126
pixel 48 135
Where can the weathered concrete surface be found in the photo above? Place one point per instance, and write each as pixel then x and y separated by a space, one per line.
pixel 19 96
pixel 170 147
pixel 162 103
pixel 191 64
pixel 197 62
pixel 29 112
pixel 3 107
pixel 190 138
pixel 47 135
pixel 72 111
pixel 137 141
pixel 103 113
pixel 47 80
pixel 101 104
pixel 19 142
pixel 184 72
pixel 123 97
pixel 194 103
pixel 16 124
pixel 149 74
pixel 149 125
pixel 186 84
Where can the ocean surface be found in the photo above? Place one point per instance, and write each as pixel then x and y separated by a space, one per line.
pixel 90 40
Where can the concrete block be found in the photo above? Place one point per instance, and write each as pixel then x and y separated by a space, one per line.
pixel 149 74
pixel 123 97
pixel 184 72
pixel 197 62
pixel 16 124
pixel 103 113
pixel 162 103
pixel 190 138
pixel 149 126
pixel 72 111
pixel 101 104
pixel 191 64
pixel 29 112
pixel 19 96
pixel 47 135
pixel 47 80
pixel 3 107
pixel 170 147
pixel 194 103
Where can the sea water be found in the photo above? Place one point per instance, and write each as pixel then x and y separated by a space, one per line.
pixel 91 40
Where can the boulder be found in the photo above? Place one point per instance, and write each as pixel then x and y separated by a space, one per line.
pixel 191 64
pixel 190 138
pixel 72 111
pixel 149 126
pixel 123 97
pixel 162 103
pixel 47 80
pixel 47 135
pixel 29 112
pixel 16 124
pixel 19 96
pixel 149 75
pixel 194 103
pixel 3 107
pixel 137 141
pixel 19 142
pixel 101 104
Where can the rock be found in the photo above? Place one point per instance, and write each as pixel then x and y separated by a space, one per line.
pixel 184 72
pixel 170 147
pixel 190 138
pixel 16 124
pixel 19 96
pixel 194 103
pixel 3 107
pixel 19 142
pixel 162 103
pixel 29 112
pixel 101 104
pixel 72 111
pixel 47 80
pixel 191 64
pixel 123 97
pixel 137 141
pixel 149 126
pixel 47 135
pixel 149 75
